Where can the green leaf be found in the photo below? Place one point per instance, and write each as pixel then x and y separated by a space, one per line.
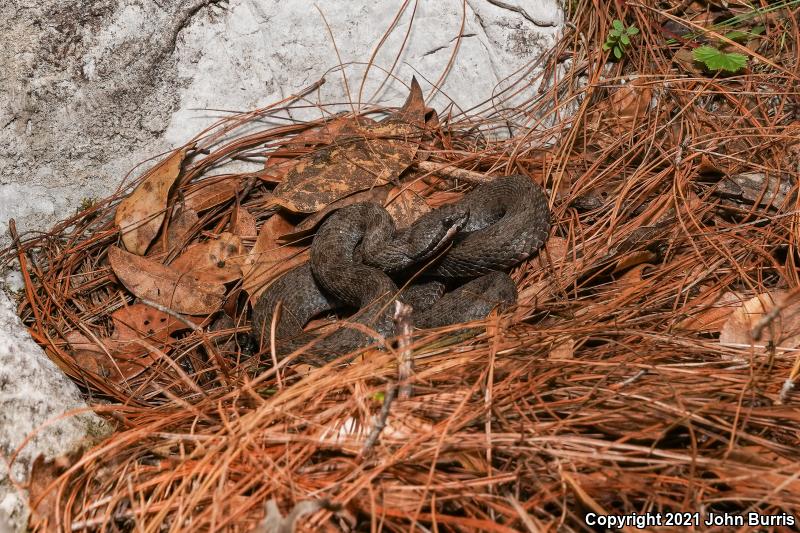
pixel 625 39
pixel 618 52
pixel 633 30
pixel 615 32
pixel 737 35
pixel 606 46
pixel 379 396
pixel 716 60
pixel 758 30
pixel 618 25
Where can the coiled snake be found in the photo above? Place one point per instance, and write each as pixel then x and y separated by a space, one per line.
pixel 492 228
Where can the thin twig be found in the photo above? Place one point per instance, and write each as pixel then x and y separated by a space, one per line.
pixel 404 326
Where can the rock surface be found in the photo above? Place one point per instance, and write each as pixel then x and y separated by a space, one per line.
pixel 34 394
pixel 94 87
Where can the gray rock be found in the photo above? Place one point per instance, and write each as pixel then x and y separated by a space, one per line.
pixel 92 88
pixel 33 395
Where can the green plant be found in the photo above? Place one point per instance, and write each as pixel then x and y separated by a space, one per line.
pixel 715 59
pixel 619 38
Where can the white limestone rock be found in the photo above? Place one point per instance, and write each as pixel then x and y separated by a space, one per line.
pixel 33 395
pixel 92 88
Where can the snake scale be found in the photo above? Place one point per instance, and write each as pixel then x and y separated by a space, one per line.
pixel 357 254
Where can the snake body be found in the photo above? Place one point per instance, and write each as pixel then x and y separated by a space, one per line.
pixel 492 228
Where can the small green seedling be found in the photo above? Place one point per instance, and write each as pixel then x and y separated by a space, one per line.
pixel 715 59
pixel 619 38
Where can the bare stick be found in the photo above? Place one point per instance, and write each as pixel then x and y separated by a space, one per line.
pixel 405 328
pixel 455 173
pixel 272 329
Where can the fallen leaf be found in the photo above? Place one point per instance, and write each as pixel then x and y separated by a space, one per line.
pixel 141 321
pixel 334 172
pixel 317 136
pixel 563 348
pixel 179 228
pixel 268 258
pixel 622 110
pixel 406 204
pixel 370 156
pixel 440 198
pixel 118 367
pixel 139 215
pixel 376 194
pixel 413 109
pixel 685 60
pixel 212 261
pixel 43 491
pixel 758 188
pixel 211 192
pixel 243 223
pixel 164 285
pixel 553 258
pixel 713 318
pixel 783 332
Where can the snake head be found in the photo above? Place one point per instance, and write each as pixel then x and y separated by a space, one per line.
pixel 434 230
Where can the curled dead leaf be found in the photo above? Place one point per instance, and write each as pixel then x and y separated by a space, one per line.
pixel 713 318
pixel 783 333
pixel 164 285
pixel 212 261
pixel 268 258
pixel 211 192
pixel 375 194
pixel 139 215
pixel 405 203
pixel 366 156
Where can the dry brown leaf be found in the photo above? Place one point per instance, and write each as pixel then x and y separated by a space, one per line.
pixel 318 136
pixel 139 216
pixel 783 332
pixel 127 352
pixel 268 258
pixel 563 348
pixel 685 60
pixel 626 106
pixel 553 256
pixel 243 223
pixel 376 194
pixel 211 192
pixel 712 319
pixel 440 198
pixel 212 261
pixel 42 497
pixel 635 258
pixel 341 170
pixel 413 109
pixel 119 367
pixel 371 156
pixel 179 227
pixel 405 203
pixel 140 321
pixel 164 285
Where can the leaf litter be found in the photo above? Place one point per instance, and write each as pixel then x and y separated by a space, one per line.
pixel 648 365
